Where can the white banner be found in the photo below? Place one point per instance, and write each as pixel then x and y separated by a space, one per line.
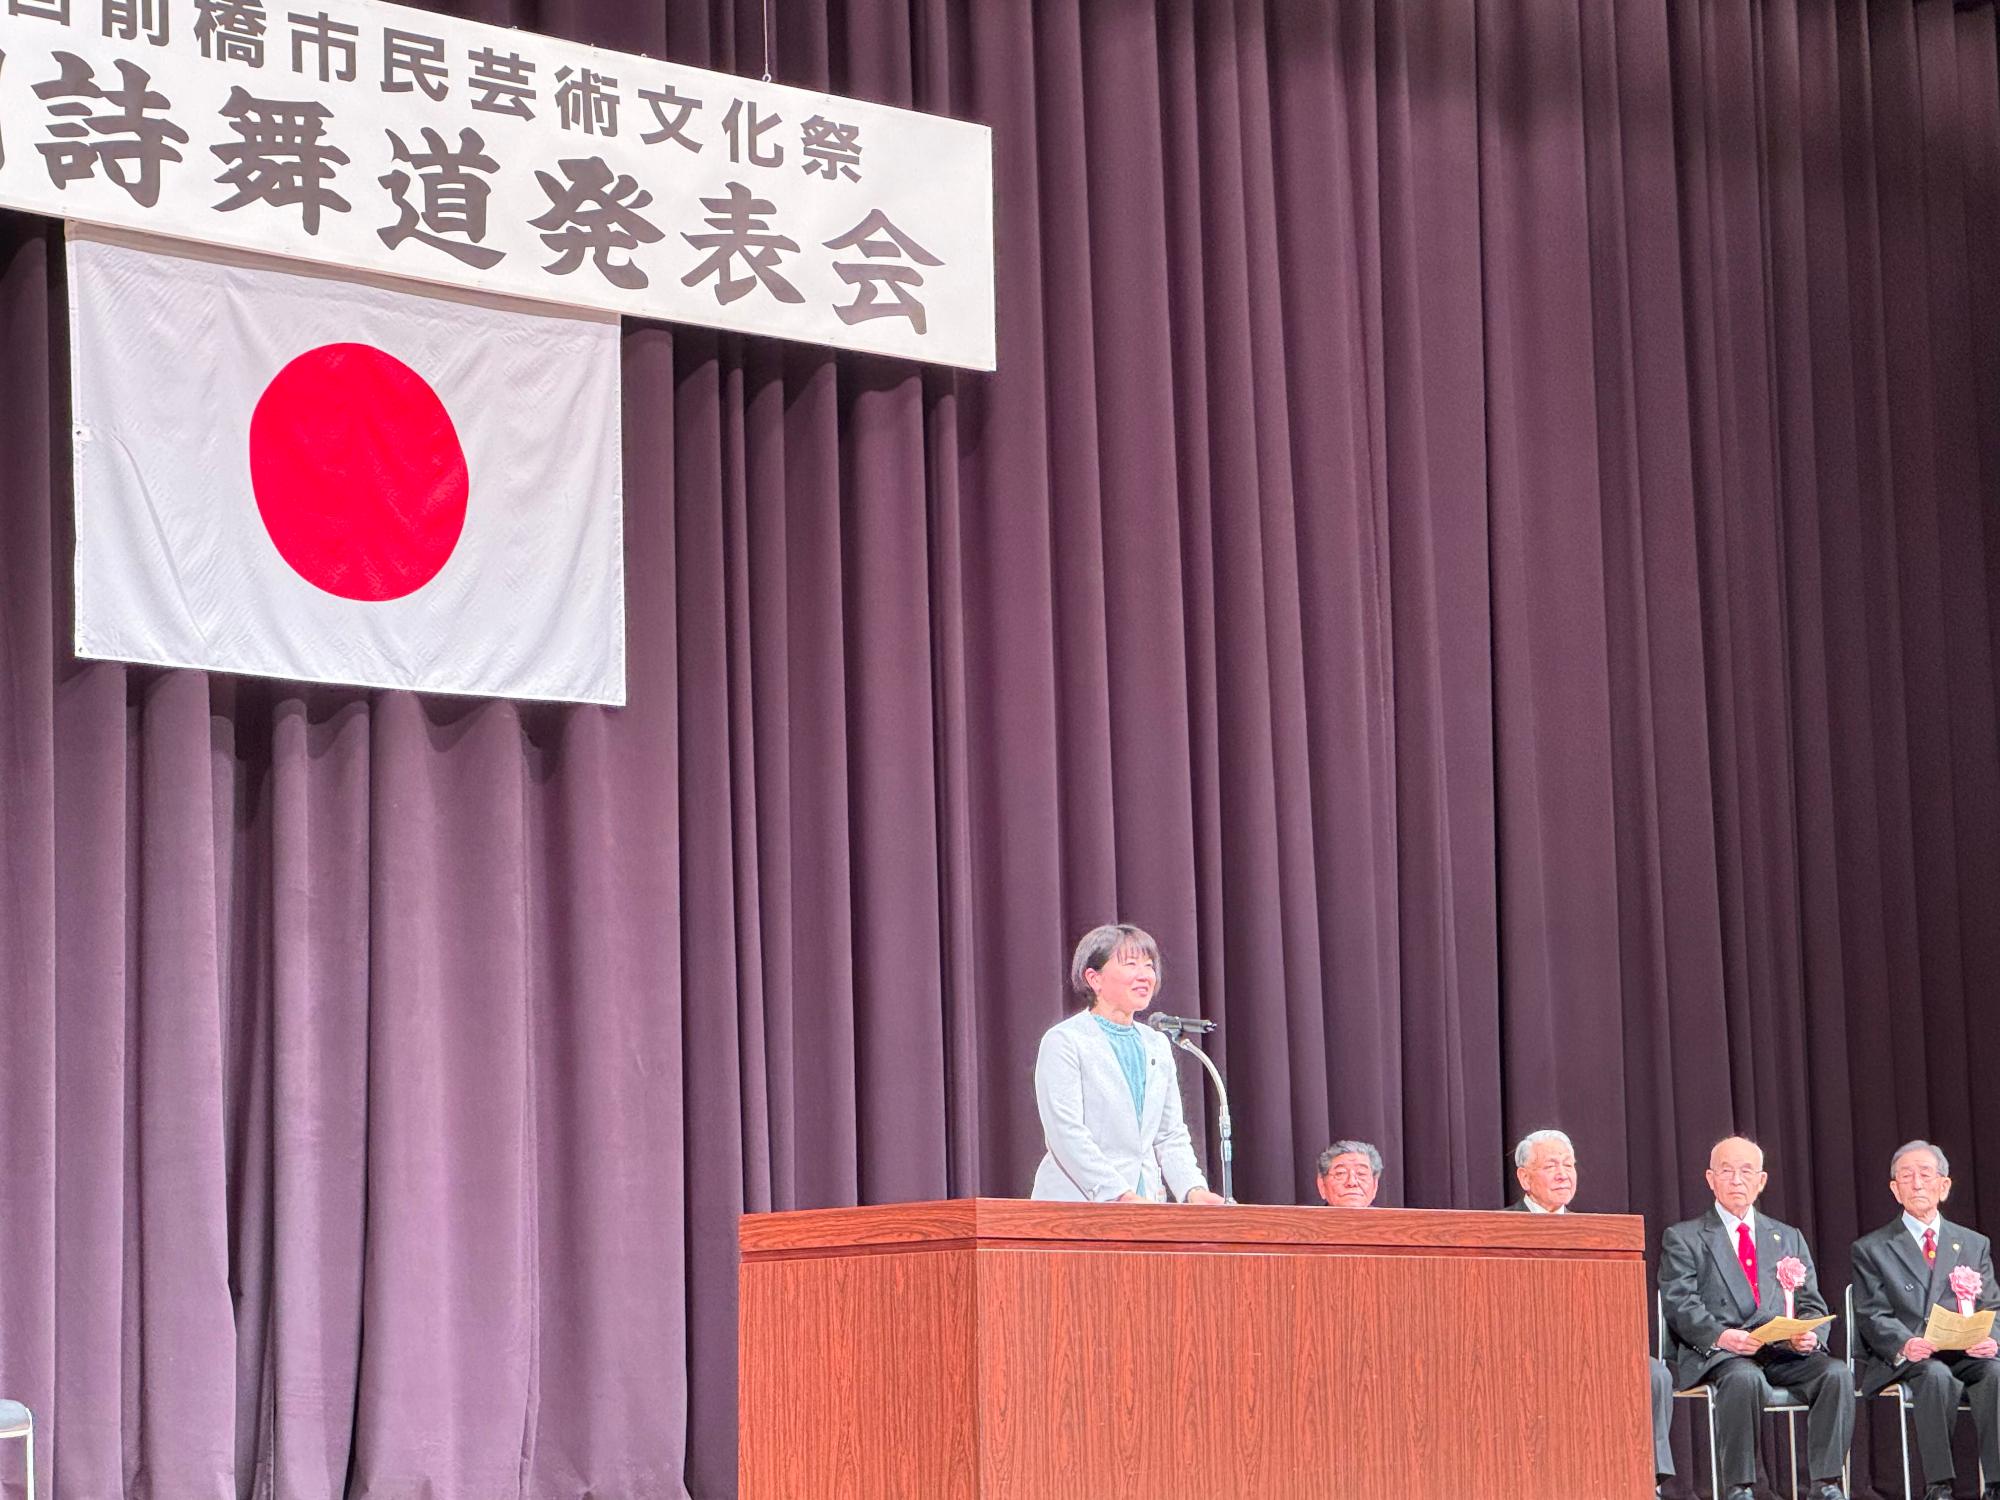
pixel 375 136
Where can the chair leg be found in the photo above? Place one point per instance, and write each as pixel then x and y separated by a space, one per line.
pixel 29 1449
pixel 1792 1446
pixel 1714 1455
pixel 1903 1432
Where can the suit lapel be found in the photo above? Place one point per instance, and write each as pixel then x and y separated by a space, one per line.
pixel 1723 1248
pixel 1110 1078
pixel 1097 1044
pixel 1912 1261
pixel 1159 1075
pixel 1770 1240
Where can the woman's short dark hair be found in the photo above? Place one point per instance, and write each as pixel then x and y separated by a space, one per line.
pixel 1098 946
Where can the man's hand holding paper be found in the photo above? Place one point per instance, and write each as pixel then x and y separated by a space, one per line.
pixel 1951 1330
pixel 1785 1330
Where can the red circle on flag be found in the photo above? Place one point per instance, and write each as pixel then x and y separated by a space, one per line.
pixel 358 472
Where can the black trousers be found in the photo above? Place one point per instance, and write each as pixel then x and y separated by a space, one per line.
pixel 1936 1386
pixel 1817 1378
pixel 1663 1418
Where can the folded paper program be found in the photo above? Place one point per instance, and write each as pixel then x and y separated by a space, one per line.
pixel 1780 1329
pixel 1950 1330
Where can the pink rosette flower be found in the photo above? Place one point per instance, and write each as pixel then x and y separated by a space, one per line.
pixel 1791 1276
pixel 1966 1285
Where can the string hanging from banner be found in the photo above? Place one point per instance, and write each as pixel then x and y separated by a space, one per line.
pixel 767 41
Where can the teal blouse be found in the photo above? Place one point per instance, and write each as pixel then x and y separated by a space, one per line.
pixel 1130 1049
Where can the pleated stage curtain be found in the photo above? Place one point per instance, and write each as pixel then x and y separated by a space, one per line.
pixel 1482 539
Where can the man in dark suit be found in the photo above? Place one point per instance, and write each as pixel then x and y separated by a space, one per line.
pixel 1545 1166
pixel 1718 1280
pixel 1899 1272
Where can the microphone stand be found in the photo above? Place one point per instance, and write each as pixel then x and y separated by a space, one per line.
pixel 1222 1114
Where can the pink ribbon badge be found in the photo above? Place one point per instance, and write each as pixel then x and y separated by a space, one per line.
pixel 1966 1285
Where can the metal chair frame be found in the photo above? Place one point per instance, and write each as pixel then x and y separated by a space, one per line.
pixel 1776 1403
pixel 24 1429
pixel 1896 1391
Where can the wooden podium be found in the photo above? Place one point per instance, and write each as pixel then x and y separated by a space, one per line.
pixel 999 1349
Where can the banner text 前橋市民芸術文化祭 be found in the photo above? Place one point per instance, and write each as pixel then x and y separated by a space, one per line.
pixel 372 135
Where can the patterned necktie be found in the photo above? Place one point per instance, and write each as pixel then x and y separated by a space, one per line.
pixel 1746 1251
pixel 1930 1246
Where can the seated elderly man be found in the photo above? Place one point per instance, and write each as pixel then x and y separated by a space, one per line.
pixel 1720 1276
pixel 1350 1174
pixel 1917 1261
pixel 1545 1167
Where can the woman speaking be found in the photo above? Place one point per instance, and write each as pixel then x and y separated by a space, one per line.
pixel 1106 1088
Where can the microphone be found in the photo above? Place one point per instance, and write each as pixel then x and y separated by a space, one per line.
pixel 1175 1027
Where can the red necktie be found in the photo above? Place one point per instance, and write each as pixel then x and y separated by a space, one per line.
pixel 1746 1251
pixel 1930 1245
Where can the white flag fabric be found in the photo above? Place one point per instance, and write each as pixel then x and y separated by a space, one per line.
pixel 285 471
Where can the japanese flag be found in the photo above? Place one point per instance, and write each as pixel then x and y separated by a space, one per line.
pixel 292 472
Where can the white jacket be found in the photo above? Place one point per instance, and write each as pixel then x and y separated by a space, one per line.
pixel 1097 1149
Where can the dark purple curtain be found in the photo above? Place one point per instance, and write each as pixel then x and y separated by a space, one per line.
pixel 1483 539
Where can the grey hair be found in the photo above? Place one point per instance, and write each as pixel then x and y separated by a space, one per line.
pixel 1097 947
pixel 1943 1166
pixel 1525 1151
pixel 1350 1148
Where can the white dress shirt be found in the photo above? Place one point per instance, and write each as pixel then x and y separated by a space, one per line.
pixel 1917 1227
pixel 1730 1223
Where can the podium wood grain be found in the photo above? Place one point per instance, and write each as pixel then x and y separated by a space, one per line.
pixel 992 1349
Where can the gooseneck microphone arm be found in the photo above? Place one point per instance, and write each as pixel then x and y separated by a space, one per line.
pixel 1176 1029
